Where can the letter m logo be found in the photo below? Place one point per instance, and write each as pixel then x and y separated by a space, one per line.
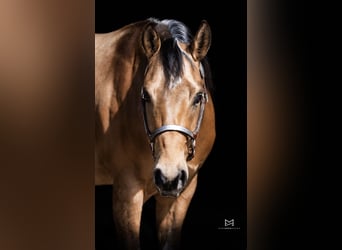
pixel 228 223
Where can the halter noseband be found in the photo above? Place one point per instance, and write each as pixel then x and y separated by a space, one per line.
pixel 190 135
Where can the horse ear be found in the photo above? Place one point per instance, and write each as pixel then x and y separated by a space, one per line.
pixel 150 41
pixel 201 42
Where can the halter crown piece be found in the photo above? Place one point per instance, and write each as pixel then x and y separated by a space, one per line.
pixel 190 135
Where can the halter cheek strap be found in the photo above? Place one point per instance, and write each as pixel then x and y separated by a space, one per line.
pixel 190 135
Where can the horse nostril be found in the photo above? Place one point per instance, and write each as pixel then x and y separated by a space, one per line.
pixel 183 177
pixel 159 179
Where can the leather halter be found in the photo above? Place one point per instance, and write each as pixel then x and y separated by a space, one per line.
pixel 190 135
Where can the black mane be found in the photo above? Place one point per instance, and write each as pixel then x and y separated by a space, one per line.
pixel 171 31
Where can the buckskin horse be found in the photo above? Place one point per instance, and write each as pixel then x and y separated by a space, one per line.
pixel 154 122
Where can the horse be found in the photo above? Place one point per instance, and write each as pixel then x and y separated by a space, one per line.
pixel 154 122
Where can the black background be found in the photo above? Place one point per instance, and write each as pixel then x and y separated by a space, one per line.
pixel 221 191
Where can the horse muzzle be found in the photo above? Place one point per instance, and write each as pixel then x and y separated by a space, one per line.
pixel 170 185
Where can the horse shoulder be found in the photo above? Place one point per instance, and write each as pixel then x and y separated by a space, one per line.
pixel 103 175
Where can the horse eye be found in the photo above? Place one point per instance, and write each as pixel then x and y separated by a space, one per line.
pixel 145 96
pixel 198 98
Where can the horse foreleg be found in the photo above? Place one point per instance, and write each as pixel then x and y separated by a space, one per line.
pixel 127 208
pixel 170 214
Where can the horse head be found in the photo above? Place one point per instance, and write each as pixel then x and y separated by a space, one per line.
pixel 174 95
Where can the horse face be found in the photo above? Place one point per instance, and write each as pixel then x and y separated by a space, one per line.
pixel 174 95
pixel 173 101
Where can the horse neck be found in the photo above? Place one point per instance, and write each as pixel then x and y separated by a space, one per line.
pixel 130 69
pixel 127 61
